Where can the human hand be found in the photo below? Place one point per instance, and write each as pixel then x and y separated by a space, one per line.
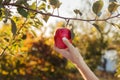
pixel 71 53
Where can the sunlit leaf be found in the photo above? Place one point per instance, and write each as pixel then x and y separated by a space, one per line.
pixel 97 7
pixel 33 6
pixel 38 23
pixel 1 12
pixel 34 33
pixel 96 26
pixel 42 6
pixel 22 12
pixel 116 25
pixel 5 72
pixel 113 7
pixel 22 71
pixel 13 27
pixel 32 14
pixel 6 39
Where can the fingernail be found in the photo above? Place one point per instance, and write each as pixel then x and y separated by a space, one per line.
pixel 64 38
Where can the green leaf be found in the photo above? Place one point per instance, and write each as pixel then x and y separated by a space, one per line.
pixel 33 6
pixel 48 6
pixel 1 7
pixel 0 14
pixel 38 23
pixel 13 27
pixel 6 1
pixel 45 17
pixel 7 14
pixel 113 7
pixel 58 4
pixel 2 10
pixel 97 7
pixel 1 2
pixel 19 2
pixel 32 14
pixel 55 3
pixel 76 11
pixel 116 25
pixel 42 6
pixel 22 12
pixel 97 27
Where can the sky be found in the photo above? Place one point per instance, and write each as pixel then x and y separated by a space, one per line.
pixel 67 7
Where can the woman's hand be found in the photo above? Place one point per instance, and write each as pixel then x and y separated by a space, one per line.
pixel 71 53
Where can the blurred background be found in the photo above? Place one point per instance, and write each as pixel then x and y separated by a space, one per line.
pixel 27 40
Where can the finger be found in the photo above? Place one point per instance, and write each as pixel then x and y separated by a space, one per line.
pixel 71 48
pixel 68 44
pixel 63 52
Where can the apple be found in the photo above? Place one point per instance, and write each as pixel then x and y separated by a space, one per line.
pixel 59 34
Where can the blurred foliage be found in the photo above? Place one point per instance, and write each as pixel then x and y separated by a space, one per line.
pixel 34 60
pixel 92 45
pixel 27 56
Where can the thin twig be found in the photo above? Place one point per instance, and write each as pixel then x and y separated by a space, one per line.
pixel 57 16
pixel 67 22
pixel 2 53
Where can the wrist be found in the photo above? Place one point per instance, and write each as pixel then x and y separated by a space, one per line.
pixel 85 70
pixel 79 62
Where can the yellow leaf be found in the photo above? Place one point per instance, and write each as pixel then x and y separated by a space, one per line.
pixel 5 72
pixel 33 63
pixel 15 71
pixel 22 71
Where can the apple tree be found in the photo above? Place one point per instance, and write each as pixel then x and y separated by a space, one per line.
pixel 21 51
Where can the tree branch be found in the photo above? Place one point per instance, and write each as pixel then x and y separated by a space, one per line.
pixel 12 42
pixel 57 16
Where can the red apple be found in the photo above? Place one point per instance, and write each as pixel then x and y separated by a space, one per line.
pixel 60 33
